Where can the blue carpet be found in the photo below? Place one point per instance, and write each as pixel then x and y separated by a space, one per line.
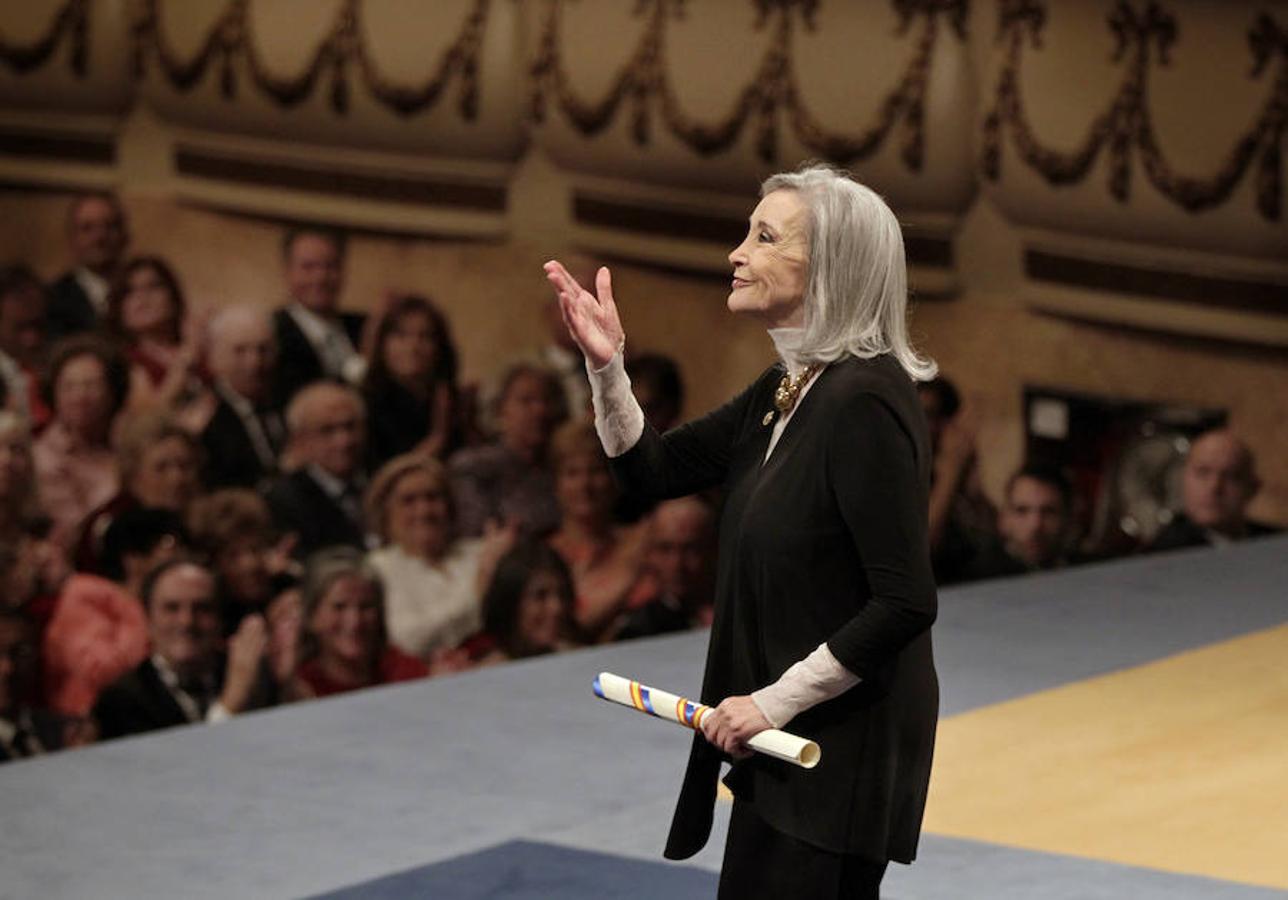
pixel 524 870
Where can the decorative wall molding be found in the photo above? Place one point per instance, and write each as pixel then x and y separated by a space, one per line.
pixel 233 39
pixel 644 85
pixel 70 24
pixel 1143 37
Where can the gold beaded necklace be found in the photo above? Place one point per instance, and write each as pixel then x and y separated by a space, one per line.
pixel 789 389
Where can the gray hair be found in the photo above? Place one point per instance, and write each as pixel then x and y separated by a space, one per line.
pixel 856 281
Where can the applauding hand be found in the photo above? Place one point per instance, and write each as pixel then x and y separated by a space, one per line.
pixel 592 320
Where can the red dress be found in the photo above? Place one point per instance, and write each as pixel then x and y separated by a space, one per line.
pixel 394 666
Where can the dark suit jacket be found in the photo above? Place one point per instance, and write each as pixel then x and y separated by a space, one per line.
pixel 826 541
pixel 300 505
pixel 69 310
pixel 136 703
pixel 1181 532
pixel 231 460
pixel 297 361
pixel 49 731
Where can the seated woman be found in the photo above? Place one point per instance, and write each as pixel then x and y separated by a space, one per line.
pixel 528 608
pixel 147 314
pixel 508 481
pixel 606 559
pixel 342 641
pixel 410 386
pixel 159 464
pixel 75 465
pixel 433 580
pixel 17 488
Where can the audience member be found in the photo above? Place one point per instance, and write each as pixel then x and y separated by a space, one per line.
pixel 433 580
pixel 25 730
pixel 18 501
pixel 186 678
pixel 148 316
pixel 22 341
pixel 314 339
pixel 158 464
pixel 508 481
pixel 659 388
pixel 321 501
pixel 410 385
pixel 528 608
pixel 606 559
pixel 245 435
pixel 343 642
pixel 233 529
pixel 75 466
pixel 97 236
pixel 1217 484
pixel 681 550
pixel 1033 526
pixel 962 522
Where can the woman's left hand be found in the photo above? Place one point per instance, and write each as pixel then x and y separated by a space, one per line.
pixel 731 724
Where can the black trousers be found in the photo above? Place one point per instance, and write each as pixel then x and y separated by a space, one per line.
pixel 761 862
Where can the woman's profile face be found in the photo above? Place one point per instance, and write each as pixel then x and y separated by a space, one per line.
pixel 769 265
pixel 410 348
pixel 346 622
pixel 417 513
pixel 542 612
pixel 147 305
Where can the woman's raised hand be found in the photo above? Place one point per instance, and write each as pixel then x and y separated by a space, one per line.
pixel 592 320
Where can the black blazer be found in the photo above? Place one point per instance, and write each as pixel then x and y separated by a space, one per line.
pixel 48 727
pixel 231 460
pixel 300 505
pixel 69 310
pixel 1181 532
pixel 297 362
pixel 827 541
pixel 136 703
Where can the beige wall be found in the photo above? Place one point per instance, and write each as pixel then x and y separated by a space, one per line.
pixel 986 339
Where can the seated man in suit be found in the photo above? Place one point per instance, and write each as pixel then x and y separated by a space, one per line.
pixel 1033 526
pixel 98 237
pixel 245 434
pixel 186 679
pixel 314 339
pixel 1217 484
pixel 679 570
pixel 321 501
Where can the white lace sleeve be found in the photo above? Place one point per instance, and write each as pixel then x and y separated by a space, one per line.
pixel 817 677
pixel 619 421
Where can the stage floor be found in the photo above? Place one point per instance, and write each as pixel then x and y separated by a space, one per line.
pixel 1114 731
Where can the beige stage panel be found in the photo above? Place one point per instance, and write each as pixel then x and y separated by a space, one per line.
pixel 1180 765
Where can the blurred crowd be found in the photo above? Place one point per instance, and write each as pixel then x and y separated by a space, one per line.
pixel 203 513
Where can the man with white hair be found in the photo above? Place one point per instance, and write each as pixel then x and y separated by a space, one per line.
pixel 245 434
pixel 321 502
pixel 1218 483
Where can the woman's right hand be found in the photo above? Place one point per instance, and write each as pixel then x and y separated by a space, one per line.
pixel 592 320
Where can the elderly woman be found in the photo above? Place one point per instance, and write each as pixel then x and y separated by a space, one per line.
pixel 342 642
pixel 17 489
pixel 824 596
pixel 410 386
pixel 528 607
pixel 147 313
pixel 606 559
pixel 508 481
pixel 433 579
pixel 159 466
pixel 75 465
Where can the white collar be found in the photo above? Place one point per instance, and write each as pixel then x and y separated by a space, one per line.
pixel 787 342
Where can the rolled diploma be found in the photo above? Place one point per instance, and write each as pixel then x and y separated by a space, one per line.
pixel 771 742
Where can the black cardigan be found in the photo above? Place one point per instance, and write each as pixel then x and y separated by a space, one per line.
pixel 824 542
